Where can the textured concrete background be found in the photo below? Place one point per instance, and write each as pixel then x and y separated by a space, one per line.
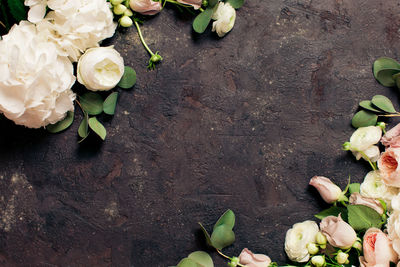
pixel 241 122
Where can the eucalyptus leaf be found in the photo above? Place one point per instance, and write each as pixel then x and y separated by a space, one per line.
pixel 61 125
pixel 92 103
pixel 332 211
pixel 110 103
pixel 396 77
pixel 385 77
pixel 97 127
pixel 83 130
pixel 228 219
pixel 202 258
pixel 383 103
pixel 222 236
pixel 354 188
pixel 362 217
pixel 364 118
pixel 236 3
pixel 17 9
pixel 186 262
pixel 206 234
pixel 366 104
pixel 128 80
pixel 202 20
pixel 384 63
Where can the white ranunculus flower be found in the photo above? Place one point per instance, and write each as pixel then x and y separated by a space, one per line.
pixel 393 224
pixel 35 82
pixel 224 17
pixel 363 140
pixel 100 68
pixel 76 25
pixel 374 187
pixel 297 239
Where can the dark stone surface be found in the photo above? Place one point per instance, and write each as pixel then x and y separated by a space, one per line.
pixel 241 122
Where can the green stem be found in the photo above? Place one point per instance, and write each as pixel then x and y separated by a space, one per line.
pixel 142 39
pixel 223 255
pixel 390 115
pixel 202 10
pixel 370 163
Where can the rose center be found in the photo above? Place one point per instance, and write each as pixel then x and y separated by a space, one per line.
pixel 390 163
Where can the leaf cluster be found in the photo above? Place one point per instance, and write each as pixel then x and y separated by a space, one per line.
pixel 11 12
pixel 387 71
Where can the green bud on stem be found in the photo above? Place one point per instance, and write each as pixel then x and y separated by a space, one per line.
pixel 119 9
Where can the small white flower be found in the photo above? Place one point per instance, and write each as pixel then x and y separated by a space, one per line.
pixel 297 239
pixel 224 17
pixel 393 224
pixel 100 68
pixel 37 10
pixel 363 140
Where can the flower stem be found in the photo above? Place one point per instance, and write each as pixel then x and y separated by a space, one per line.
pixel 370 162
pixel 154 57
pixel 390 115
pixel 142 39
pixel 223 255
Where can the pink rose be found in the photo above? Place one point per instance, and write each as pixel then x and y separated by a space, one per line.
pixel 145 7
pixel 328 190
pixel 377 249
pixel 357 199
pixel 388 165
pixel 196 4
pixel 392 137
pixel 253 260
pixel 338 233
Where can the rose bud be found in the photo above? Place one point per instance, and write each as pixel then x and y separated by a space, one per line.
pixel 145 7
pixel 253 260
pixel 100 68
pixel 196 4
pixel 392 137
pixel 318 261
pixel 388 165
pixel 377 249
pixel 357 199
pixel 328 190
pixel 298 237
pixel 224 17
pixel 339 233
pixel 342 257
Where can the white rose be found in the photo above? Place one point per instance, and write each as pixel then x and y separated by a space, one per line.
pixel 297 239
pixel 35 82
pixel 224 17
pixel 374 187
pixel 363 140
pixel 100 68
pixel 393 224
pixel 76 25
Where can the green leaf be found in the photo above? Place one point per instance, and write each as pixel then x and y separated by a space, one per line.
pixel 202 258
pixel 332 211
pixel 97 127
pixel 61 125
pixel 383 103
pixel 385 77
pixel 236 3
pixel 228 219
pixel 222 236
pixel 212 3
pixel 362 217
pixel 384 63
pixel 110 103
pixel 186 262
pixel 202 20
pixel 206 234
pixel 366 104
pixel 396 77
pixel 128 80
pixel 92 103
pixel 83 130
pixel 17 9
pixel 364 118
pixel 354 188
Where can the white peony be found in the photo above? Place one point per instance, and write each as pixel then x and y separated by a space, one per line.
pixel 363 140
pixel 224 17
pixel 297 239
pixel 374 187
pixel 100 68
pixel 393 224
pixel 35 82
pixel 76 25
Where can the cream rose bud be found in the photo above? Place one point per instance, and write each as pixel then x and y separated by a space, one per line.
pixel 363 141
pixel 358 199
pixel 250 259
pixel 328 190
pixel 297 239
pixel 377 249
pixel 339 233
pixel 389 166
pixel 224 17
pixel 100 68
pixel 145 7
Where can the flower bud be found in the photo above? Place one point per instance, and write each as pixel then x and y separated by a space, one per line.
pixel 116 2
pixel 231 264
pixel 321 239
pixel 145 7
pixel 357 245
pixel 205 3
pixel 155 58
pixel 125 21
pixel 382 125
pixel 326 188
pixel 312 248
pixel 128 12
pixel 342 257
pixel 119 9
pixel 224 16
pixel 346 146
pixel 235 260
pixel 318 261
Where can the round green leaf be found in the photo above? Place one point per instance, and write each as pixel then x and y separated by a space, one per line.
pixel 61 125
pixel 236 3
pixel 228 219
pixel 385 77
pixel 97 127
pixel 366 104
pixel 396 77
pixel 384 63
pixel 186 262
pixel 383 103
pixel 83 130
pixel 202 258
pixel 212 3
pixel 128 79
pixel 222 236
pixel 110 103
pixel 206 234
pixel 92 103
pixel 202 20
pixel 364 118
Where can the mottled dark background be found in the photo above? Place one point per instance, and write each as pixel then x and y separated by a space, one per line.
pixel 241 122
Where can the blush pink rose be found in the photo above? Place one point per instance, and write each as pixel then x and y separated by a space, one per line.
pixel 358 199
pixel 338 233
pixel 250 259
pixel 328 190
pixel 392 137
pixel 377 249
pixel 388 165
pixel 145 7
pixel 196 4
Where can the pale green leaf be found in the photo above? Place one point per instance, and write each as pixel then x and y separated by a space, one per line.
pixel 97 127
pixel 61 125
pixel 202 20
pixel 236 3
pixel 362 217
pixel 206 234
pixel 332 211
pixel 366 104
pixel 92 103
pixel 202 258
pixel 354 188
pixel 186 262
pixel 83 130
pixel 222 236
pixel 384 63
pixel 385 77
pixel 383 103
pixel 128 80
pixel 110 103
pixel 364 118
pixel 228 218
